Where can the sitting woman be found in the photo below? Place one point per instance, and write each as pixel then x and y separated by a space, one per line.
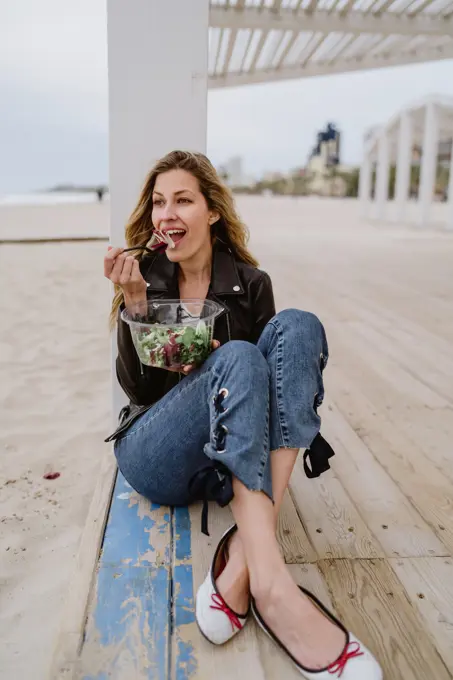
pixel 229 430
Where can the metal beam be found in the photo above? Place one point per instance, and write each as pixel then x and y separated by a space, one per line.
pixel 324 69
pixel 321 20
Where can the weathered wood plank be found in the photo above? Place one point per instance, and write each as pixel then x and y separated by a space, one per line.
pixel 428 582
pixel 331 520
pixel 426 487
pixel 138 532
pixel 430 428
pixel 399 385
pixel 291 535
pixel 127 631
pixel 422 366
pixel 398 526
pixel 184 628
pixel 373 604
pixel 70 635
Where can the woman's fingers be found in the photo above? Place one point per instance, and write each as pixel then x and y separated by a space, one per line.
pixel 136 274
pixel 109 260
pixel 118 268
pixel 126 272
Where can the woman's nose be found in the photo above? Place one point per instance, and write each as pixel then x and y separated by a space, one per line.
pixel 168 212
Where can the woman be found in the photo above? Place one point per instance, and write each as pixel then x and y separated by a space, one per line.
pixel 231 429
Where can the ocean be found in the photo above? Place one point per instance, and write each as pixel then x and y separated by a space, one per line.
pixel 50 198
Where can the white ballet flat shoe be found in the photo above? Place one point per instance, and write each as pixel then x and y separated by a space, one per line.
pixel 216 620
pixel 354 663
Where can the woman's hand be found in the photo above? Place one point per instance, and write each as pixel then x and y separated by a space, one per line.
pixel 124 271
pixel 186 369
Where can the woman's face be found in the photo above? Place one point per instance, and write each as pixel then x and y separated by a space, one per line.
pixel 180 209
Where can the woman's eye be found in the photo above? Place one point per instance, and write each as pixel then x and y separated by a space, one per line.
pixel 157 201
pixel 184 200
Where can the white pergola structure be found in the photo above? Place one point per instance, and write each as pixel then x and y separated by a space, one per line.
pixel 420 126
pixel 258 41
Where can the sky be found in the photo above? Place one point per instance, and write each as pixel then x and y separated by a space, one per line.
pixel 54 111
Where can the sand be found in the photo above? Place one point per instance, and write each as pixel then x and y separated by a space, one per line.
pixel 54 413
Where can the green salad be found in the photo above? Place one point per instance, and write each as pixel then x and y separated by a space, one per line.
pixel 169 346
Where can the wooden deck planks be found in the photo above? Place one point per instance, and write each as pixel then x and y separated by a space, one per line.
pixel 392 518
pixel 330 518
pixel 370 536
pixel 293 539
pixel 428 582
pixel 428 489
pixel 368 595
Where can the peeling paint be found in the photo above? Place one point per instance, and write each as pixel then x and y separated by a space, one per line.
pixel 148 543
pixel 184 625
pixel 127 631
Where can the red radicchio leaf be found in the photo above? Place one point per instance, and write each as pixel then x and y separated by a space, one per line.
pixel 171 352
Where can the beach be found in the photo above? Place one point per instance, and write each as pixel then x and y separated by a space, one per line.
pixel 55 412
pixel 55 366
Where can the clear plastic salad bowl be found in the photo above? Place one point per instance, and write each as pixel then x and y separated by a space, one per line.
pixel 173 333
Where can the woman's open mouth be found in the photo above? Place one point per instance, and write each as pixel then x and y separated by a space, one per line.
pixel 166 239
pixel 175 235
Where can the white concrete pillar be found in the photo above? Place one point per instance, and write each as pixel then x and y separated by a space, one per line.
pixel 382 175
pixel 157 67
pixel 403 166
pixel 449 224
pixel 365 184
pixel 428 164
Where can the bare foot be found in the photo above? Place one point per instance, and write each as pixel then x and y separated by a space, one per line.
pixel 233 582
pixel 312 639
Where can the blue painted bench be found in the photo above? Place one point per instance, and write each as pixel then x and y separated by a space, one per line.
pixel 142 598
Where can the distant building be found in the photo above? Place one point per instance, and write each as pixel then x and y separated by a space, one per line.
pixel 233 173
pixel 324 166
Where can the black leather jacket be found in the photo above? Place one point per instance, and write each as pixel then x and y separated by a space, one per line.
pixel 244 292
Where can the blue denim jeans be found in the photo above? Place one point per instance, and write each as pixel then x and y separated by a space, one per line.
pixel 244 402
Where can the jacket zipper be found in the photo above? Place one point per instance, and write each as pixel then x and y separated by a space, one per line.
pixel 228 325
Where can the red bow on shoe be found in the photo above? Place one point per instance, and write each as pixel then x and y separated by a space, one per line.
pixel 349 652
pixel 221 606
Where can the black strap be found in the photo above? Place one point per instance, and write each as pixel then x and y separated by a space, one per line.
pixel 318 455
pixel 212 482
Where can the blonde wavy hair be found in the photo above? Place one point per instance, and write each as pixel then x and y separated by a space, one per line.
pixel 229 228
